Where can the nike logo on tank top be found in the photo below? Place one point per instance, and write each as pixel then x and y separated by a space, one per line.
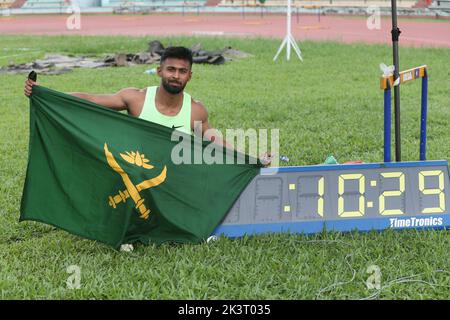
pixel 181 121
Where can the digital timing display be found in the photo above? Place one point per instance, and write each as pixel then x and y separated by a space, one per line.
pixel 360 194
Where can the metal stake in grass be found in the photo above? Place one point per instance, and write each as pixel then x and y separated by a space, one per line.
pixel 395 35
pixel 289 39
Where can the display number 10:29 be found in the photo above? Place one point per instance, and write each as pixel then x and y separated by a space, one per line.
pixel 385 195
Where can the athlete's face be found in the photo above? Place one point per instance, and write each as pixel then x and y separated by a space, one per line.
pixel 175 74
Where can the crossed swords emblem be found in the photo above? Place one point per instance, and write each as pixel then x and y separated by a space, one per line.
pixel 133 190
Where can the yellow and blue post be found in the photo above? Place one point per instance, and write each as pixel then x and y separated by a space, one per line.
pixel 387 84
pixel 387 123
pixel 423 118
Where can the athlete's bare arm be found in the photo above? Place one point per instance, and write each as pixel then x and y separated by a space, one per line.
pixel 199 113
pixel 209 133
pixel 129 99
pixel 115 101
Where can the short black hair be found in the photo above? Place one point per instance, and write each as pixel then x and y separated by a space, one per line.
pixel 178 53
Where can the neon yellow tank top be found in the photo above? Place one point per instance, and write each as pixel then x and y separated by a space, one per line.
pixel 180 121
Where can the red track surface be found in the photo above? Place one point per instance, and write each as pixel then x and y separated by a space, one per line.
pixel 337 28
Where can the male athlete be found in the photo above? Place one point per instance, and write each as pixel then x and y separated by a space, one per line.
pixel 168 104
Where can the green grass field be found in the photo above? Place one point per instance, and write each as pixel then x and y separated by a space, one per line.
pixel 330 104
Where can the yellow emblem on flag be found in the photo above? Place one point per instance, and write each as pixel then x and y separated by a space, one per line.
pixel 133 190
pixel 137 159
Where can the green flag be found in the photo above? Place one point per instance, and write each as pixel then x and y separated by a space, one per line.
pixel 106 176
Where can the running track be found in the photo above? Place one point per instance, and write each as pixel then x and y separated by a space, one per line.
pixel 415 33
